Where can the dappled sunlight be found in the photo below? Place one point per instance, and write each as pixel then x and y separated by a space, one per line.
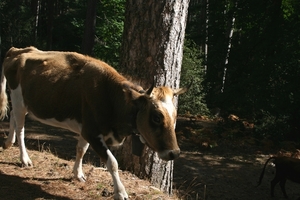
pixel 225 175
pixel 51 176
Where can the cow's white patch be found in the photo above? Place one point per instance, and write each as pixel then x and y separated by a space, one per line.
pixel 169 106
pixel 115 142
pixel 69 124
pixel 82 146
pixel 3 96
pixel 17 99
pixel 142 139
pixel 18 119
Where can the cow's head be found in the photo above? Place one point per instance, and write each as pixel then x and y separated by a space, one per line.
pixel 156 118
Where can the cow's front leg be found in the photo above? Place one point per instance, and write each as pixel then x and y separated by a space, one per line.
pixel 112 166
pixel 107 157
pixel 81 148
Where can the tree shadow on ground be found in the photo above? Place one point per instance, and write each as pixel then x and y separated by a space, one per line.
pixel 218 173
pixel 15 186
pixel 60 142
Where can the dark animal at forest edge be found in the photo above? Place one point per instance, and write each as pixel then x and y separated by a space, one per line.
pixel 287 168
pixel 86 96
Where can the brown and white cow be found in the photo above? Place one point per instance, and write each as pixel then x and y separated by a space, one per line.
pixel 88 97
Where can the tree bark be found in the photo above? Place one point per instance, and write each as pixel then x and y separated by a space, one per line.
pixel 89 33
pixel 152 46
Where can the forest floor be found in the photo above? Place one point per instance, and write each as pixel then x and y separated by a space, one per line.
pixel 211 167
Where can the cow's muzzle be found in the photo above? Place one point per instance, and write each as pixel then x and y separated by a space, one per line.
pixel 169 154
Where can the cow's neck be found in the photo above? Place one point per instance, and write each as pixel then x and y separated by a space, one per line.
pixel 124 117
pixel 132 119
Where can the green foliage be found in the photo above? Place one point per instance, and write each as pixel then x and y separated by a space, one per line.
pixel 18 26
pixel 272 69
pixel 70 39
pixel 17 23
pixel 262 79
pixel 268 125
pixel 192 69
pixel 109 29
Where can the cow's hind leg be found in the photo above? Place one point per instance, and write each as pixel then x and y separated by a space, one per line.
pixel 282 186
pixel 11 138
pixel 273 183
pixel 112 165
pixel 81 148
pixel 19 112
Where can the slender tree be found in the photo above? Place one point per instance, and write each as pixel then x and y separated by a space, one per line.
pixel 35 9
pixel 229 35
pixel 90 23
pixel 50 18
pixel 153 46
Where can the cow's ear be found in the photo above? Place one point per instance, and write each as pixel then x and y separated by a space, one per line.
pixel 179 91
pixel 130 94
pixel 129 85
pixel 137 99
pixel 182 90
pixel 141 102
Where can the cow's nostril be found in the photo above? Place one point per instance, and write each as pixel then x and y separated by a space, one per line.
pixel 174 154
pixel 169 154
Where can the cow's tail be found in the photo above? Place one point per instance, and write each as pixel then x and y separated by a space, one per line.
pixel 3 97
pixel 263 171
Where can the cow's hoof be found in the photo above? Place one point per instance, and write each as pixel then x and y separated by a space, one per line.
pixel 121 196
pixel 81 179
pixel 6 145
pixel 27 163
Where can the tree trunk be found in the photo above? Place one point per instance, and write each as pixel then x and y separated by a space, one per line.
pixel 89 33
pixel 152 46
pixel 0 47
pixel 231 21
pixel 35 6
pixel 50 19
pixel 206 34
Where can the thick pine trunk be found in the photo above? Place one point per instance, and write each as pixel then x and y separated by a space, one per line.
pixel 152 46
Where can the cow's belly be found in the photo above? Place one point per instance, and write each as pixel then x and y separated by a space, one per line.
pixel 69 124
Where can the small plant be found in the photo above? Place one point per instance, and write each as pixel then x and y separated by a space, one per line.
pixel 188 193
pixel 99 186
pixel 193 101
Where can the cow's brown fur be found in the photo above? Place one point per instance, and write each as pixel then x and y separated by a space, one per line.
pixel 70 86
pixel 287 168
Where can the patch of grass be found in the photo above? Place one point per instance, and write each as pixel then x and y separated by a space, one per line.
pixel 187 190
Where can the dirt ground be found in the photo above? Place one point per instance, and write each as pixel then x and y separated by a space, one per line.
pixel 227 176
pixel 222 172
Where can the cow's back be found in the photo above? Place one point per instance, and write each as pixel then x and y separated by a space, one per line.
pixel 288 167
pixel 54 84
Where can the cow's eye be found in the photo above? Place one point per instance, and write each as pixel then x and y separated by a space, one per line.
pixel 157 119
